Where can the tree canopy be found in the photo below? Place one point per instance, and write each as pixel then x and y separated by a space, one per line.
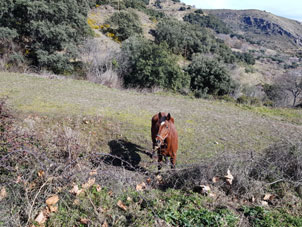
pixel 48 31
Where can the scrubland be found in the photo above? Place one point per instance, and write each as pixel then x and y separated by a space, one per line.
pixel 90 146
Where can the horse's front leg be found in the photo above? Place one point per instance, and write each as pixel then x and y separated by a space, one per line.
pixel 160 159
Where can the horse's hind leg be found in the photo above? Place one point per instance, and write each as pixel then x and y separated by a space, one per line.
pixel 173 162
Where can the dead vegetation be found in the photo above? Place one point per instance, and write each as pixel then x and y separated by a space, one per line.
pixel 42 177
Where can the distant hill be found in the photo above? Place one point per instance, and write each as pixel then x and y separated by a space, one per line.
pixel 263 27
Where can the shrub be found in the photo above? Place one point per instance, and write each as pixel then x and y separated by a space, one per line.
pixel 209 21
pixel 136 4
pixel 186 39
pixel 148 65
pixel 11 54
pixel 273 93
pixel 124 24
pixel 243 99
pixel 249 69
pixel 198 11
pixel 101 62
pixel 208 76
pixel 246 57
pixel 48 31
pixel 226 98
pixel 182 38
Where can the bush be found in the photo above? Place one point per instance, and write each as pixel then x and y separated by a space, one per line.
pixel 101 62
pixel 48 32
pixel 243 99
pixel 198 11
pixel 249 69
pixel 11 54
pixel 182 38
pixel 246 57
pixel 186 39
pixel 207 76
pixel 273 93
pixel 149 65
pixel 209 21
pixel 124 24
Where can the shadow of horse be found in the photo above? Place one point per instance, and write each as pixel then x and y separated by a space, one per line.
pixel 125 154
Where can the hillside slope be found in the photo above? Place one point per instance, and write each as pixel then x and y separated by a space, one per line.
pixel 74 152
pixel 205 127
pixel 263 27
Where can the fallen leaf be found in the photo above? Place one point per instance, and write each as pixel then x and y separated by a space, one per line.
pixel 212 195
pixel 98 188
pixel 75 190
pixel 129 199
pixel 41 173
pixel 110 193
pixel 141 187
pixel 205 189
pixel 93 173
pixel 264 203
pixel 159 177
pixel 268 197
pixel 32 185
pixel 53 209
pixel 89 183
pixel 76 202
pixel 121 205
pixel 253 199
pixel 3 193
pixel 148 180
pixel 41 218
pixel 84 221
pixel 229 177
pixel 52 200
pixel 105 224
pixel 216 179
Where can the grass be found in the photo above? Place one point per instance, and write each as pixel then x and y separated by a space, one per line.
pixel 173 207
pixel 205 127
pixel 62 128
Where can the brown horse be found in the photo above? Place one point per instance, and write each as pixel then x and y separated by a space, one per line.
pixel 164 138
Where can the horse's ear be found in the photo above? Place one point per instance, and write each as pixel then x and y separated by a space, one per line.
pixel 159 115
pixel 168 117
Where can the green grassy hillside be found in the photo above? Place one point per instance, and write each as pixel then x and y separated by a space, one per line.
pixel 87 148
pixel 205 127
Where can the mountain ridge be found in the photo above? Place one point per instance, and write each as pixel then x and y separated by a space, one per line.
pixel 261 25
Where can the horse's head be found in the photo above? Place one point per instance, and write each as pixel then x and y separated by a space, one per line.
pixel 164 129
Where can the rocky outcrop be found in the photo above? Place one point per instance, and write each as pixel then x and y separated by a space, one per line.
pixel 271 31
pixel 266 26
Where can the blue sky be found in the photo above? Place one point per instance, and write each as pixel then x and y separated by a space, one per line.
pixel 286 8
